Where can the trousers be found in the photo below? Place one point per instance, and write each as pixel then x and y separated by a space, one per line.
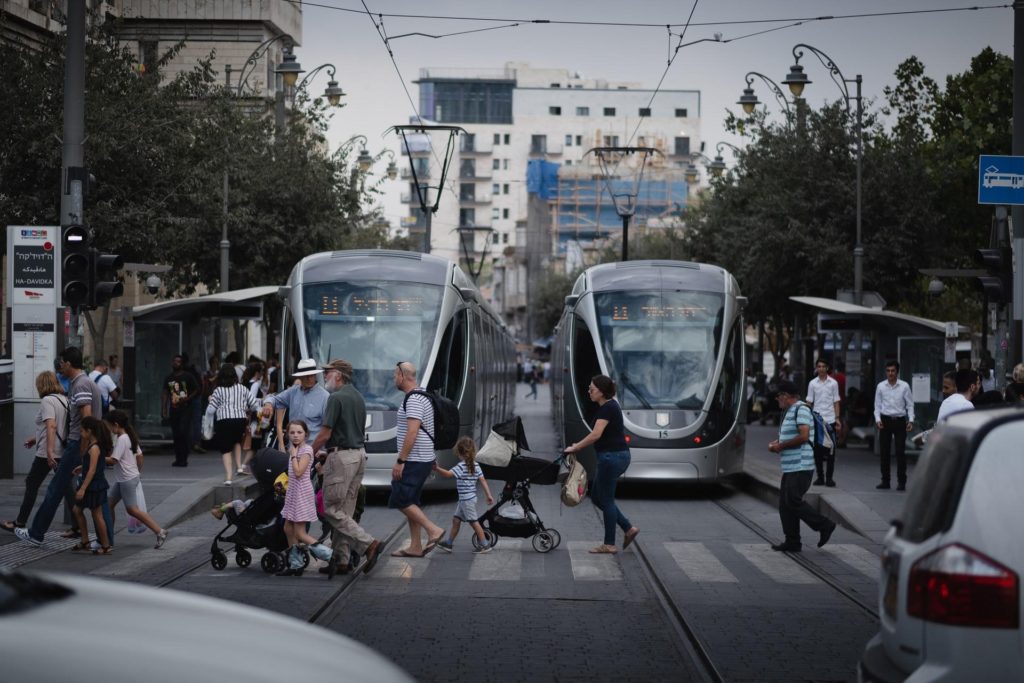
pixel 793 508
pixel 893 428
pixel 343 475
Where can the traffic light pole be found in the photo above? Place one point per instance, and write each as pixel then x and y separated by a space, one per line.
pixel 1017 213
pixel 73 173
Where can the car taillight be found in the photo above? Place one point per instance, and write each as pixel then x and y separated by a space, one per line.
pixel 959 586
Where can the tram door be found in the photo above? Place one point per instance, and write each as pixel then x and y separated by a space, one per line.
pixel 921 366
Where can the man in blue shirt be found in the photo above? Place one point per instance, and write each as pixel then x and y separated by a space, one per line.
pixel 797 459
pixel 303 401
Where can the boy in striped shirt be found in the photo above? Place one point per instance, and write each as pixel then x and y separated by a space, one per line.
pixel 797 460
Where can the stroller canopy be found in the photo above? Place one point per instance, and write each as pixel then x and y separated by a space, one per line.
pixel 267 464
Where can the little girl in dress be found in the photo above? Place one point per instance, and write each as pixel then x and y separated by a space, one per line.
pixel 300 501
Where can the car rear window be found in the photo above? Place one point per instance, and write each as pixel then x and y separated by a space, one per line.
pixel 938 483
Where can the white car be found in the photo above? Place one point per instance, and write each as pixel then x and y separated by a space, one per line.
pixel 950 598
pixel 59 627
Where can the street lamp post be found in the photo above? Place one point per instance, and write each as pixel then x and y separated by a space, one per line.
pixel 748 100
pixel 625 202
pixel 796 80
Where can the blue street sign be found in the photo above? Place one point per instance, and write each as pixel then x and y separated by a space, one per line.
pixel 1000 180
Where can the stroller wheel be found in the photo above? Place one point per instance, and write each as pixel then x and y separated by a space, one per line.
pixel 242 557
pixel 543 542
pixel 305 557
pixel 219 560
pixel 556 537
pixel 269 562
pixel 490 536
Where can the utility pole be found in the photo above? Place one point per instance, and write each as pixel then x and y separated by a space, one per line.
pixel 73 172
pixel 1017 212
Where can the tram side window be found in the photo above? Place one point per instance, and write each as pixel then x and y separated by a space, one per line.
pixel 730 390
pixel 451 360
pixel 584 365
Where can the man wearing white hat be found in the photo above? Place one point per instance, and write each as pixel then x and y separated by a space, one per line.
pixel 304 401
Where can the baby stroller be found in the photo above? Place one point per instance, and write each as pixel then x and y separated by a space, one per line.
pixel 260 524
pixel 502 458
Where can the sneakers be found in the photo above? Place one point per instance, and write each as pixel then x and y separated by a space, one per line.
pixel 445 546
pixel 786 547
pixel 826 534
pixel 160 538
pixel 217 512
pixel 22 534
pixel 481 550
pixel 228 482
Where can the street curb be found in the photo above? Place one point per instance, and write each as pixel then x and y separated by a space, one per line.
pixel 199 497
pixel 841 507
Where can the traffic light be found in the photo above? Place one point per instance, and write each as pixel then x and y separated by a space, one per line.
pixel 75 266
pixel 103 282
pixel 997 284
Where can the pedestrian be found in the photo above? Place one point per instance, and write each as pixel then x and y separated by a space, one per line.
pixel 609 439
pixel 51 433
pixel 302 401
pixel 252 380
pixel 230 405
pixel 894 417
pixel 91 493
pixel 1015 389
pixel 532 379
pixel 467 473
pixel 843 428
pixel 180 390
pixel 968 384
pixel 235 359
pixel 83 401
pixel 415 462
pixel 797 461
pixel 948 389
pixel 342 430
pixel 126 459
pixel 300 501
pixel 824 398
pixel 108 388
pixel 114 370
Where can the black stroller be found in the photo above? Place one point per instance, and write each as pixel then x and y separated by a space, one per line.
pixel 505 445
pixel 259 525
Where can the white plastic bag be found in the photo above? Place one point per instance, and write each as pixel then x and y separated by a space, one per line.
pixel 134 525
pixel 208 426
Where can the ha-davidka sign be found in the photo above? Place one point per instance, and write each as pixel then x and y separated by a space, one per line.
pixel 33 265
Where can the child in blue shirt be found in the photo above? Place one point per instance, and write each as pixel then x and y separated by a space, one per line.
pixel 467 473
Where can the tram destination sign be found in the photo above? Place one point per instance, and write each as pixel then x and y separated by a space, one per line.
pixel 1000 179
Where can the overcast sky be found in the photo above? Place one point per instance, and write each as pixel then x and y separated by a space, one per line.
pixel 871 46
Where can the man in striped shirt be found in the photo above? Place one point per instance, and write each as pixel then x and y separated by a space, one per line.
pixel 797 459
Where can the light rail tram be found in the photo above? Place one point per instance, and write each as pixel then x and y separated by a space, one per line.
pixel 376 308
pixel 670 334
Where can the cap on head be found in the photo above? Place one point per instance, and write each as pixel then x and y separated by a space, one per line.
pixel 342 366
pixel 306 367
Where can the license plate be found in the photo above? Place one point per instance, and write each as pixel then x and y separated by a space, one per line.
pixel 890 597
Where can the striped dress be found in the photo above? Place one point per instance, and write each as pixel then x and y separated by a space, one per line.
pixel 299 501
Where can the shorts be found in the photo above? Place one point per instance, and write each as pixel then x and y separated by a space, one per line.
pixel 466 511
pixel 228 433
pixel 127 491
pixel 406 491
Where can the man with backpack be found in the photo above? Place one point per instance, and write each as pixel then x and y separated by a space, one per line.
pixel 797 460
pixel 416 435
pixel 108 387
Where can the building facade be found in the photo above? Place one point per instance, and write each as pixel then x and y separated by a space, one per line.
pixel 526 123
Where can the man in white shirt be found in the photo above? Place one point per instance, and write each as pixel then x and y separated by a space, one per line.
pixel 823 397
pixel 894 417
pixel 967 386
pixel 108 387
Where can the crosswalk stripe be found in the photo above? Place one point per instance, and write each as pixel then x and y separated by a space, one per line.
pixel 775 564
pixel 587 566
pixel 698 563
pixel 861 559
pixel 503 563
pixel 148 557
pixel 402 567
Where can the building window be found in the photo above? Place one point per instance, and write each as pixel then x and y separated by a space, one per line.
pixel 579 140
pixel 467 168
pixel 507 138
pixel 467 218
pixel 495 188
pixel 538 144
pixel 494 237
pixel 680 113
pixel 504 214
pixel 504 238
pixel 504 188
pixel 556 85
pixel 682 147
pixel 496 164
pixel 609 111
pixel 495 214
pixel 467 192
pixel 504 164
pixel 555 111
pixel 497 138
pixel 645 111
pixel 467 101
pixel 582 111
pixel 568 141
pixel 149 55
pixel 611 140
pixel 568 162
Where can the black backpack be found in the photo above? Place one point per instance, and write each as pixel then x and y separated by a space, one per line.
pixel 446 418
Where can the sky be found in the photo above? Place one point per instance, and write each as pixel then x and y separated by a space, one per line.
pixel 871 46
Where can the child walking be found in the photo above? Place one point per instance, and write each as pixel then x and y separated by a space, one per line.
pixel 91 493
pixel 127 461
pixel 300 501
pixel 467 473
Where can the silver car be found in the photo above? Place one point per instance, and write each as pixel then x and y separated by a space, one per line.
pixel 949 594
pixel 58 627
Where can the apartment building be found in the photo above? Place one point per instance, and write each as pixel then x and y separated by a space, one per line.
pixel 551 117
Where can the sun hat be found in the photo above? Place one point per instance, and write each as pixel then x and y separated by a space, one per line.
pixel 306 367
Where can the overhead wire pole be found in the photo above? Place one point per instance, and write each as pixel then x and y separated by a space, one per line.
pixel 1017 212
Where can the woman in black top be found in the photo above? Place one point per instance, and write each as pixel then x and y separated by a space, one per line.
pixel 609 439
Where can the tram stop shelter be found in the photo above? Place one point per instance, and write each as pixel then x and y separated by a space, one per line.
pixel 156 332
pixel 867 338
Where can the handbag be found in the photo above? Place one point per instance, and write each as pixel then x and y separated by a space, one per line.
pixel 574 490
pixel 208 426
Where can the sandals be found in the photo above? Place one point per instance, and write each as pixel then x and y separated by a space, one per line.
pixel 103 550
pixel 81 546
pixel 70 533
pixel 10 526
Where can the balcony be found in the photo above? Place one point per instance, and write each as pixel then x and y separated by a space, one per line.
pixel 475 147
pixel 478 174
pixel 406 173
pixel 551 148
pixel 472 199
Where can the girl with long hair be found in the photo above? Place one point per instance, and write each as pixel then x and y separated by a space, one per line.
pixel 126 459
pixel 91 492
pixel 467 473
pixel 300 501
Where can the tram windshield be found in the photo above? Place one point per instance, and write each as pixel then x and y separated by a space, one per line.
pixel 373 325
pixel 661 347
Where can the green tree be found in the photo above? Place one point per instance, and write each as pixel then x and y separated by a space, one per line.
pixel 548 299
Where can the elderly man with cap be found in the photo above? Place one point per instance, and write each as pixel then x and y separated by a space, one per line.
pixel 797 459
pixel 342 431
pixel 305 400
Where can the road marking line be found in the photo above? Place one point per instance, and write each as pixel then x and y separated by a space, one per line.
pixel 861 559
pixel 503 563
pixel 587 566
pixel 774 564
pixel 698 563
pixel 147 557
pixel 403 567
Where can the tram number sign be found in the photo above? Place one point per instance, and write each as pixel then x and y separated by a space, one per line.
pixel 662 433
